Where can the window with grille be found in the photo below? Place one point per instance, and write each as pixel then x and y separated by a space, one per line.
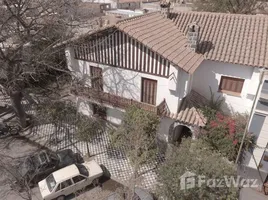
pixel 231 85
pixel 148 91
pixel 96 78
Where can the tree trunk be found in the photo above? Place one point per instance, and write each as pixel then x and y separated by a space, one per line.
pixel 132 185
pixel 88 153
pixel 55 135
pixel 16 98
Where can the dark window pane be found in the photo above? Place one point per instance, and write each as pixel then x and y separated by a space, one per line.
pixel 58 188
pixel 97 79
pixel 262 105
pixel 79 178
pixel 66 183
pixel 265 87
pixel 43 157
pixel 256 124
pixel 51 183
pixel 82 169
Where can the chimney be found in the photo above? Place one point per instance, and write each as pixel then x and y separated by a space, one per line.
pixel 193 36
pixel 105 22
pixel 165 8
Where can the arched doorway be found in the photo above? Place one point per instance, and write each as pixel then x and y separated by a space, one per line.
pixel 180 132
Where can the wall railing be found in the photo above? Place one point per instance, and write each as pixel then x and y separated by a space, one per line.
pixel 115 100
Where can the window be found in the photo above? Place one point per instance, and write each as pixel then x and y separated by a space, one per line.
pixel 99 110
pixel 82 170
pixel 265 87
pixel 43 158
pixel 51 183
pixel 231 85
pixel 66 184
pixel 96 78
pixel 58 188
pixel 256 124
pixel 78 178
pixel 148 91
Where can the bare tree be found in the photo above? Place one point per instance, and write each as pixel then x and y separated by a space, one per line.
pixel 230 6
pixel 18 183
pixel 28 32
pixel 55 112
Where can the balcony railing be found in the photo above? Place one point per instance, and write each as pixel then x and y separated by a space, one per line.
pixel 114 100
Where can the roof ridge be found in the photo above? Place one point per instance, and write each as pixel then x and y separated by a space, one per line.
pixel 135 17
pixel 220 13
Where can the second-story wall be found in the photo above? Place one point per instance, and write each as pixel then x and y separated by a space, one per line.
pixel 209 74
pixel 128 83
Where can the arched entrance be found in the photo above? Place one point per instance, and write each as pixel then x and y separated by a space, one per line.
pixel 180 132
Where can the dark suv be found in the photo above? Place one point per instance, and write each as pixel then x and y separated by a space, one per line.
pixel 39 165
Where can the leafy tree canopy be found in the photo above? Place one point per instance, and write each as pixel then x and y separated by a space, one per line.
pixel 137 134
pixel 230 6
pixel 197 158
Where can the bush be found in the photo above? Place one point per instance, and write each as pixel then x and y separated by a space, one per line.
pixel 225 133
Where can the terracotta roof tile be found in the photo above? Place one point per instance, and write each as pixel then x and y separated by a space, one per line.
pixel 232 38
pixel 163 37
pixel 189 111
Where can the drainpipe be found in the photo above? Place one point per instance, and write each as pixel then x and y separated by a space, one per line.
pixel 250 115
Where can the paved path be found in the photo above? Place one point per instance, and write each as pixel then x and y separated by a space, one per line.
pixel 251 194
pixel 115 161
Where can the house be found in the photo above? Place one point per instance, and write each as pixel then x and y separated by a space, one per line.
pixel 122 13
pixel 120 4
pixel 128 63
pixel 169 63
pixel 236 58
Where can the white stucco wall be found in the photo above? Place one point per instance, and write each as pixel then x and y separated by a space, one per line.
pixel 209 74
pixel 164 127
pixel 112 2
pixel 262 137
pixel 113 115
pixel 127 83
pixel 84 107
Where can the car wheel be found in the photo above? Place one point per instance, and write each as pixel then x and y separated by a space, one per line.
pixel 95 182
pixel 61 198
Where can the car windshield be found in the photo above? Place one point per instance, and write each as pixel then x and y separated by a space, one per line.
pixel 52 156
pixel 50 182
pixel 82 170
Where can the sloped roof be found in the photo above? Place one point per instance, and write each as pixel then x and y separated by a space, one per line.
pixel 189 111
pixel 232 38
pixel 163 37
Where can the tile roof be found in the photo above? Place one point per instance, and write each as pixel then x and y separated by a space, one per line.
pixel 189 111
pixel 231 38
pixel 128 1
pixel 163 37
